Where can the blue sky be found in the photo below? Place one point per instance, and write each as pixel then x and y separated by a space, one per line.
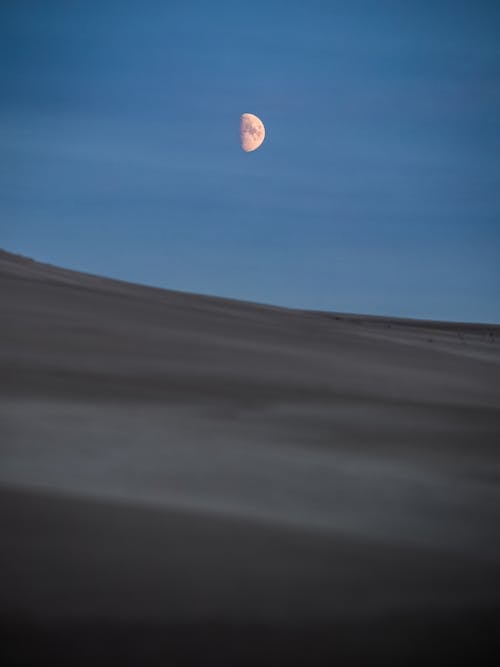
pixel 377 189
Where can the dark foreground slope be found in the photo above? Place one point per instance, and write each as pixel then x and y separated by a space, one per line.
pixel 192 480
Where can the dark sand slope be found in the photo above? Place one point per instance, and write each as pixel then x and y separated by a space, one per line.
pixel 193 480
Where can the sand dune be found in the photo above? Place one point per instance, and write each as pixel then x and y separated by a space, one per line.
pixel 194 480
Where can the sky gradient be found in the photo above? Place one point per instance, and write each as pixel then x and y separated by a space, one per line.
pixel 377 189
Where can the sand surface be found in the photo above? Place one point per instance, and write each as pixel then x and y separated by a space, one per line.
pixel 194 480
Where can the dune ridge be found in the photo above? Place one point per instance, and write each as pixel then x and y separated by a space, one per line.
pixel 202 480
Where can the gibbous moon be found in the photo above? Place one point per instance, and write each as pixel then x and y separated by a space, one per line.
pixel 252 132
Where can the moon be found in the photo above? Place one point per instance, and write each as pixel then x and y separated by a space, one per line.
pixel 252 132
